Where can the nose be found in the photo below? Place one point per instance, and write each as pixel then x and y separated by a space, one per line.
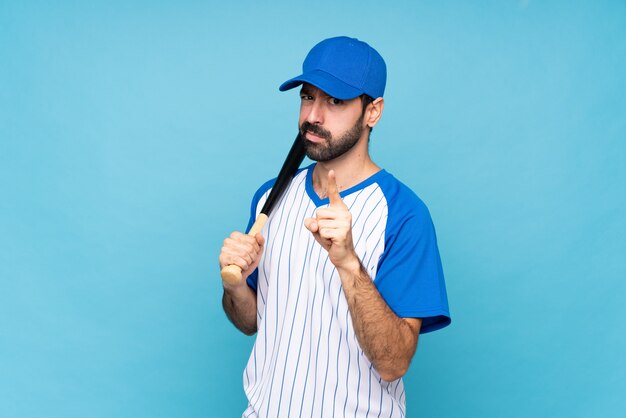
pixel 315 113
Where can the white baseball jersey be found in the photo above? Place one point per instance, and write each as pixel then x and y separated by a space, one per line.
pixel 306 361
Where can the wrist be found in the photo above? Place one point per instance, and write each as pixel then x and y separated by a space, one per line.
pixel 236 288
pixel 350 267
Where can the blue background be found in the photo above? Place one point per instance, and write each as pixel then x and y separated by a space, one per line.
pixel 133 135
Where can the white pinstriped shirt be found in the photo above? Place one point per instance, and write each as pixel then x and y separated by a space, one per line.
pixel 306 361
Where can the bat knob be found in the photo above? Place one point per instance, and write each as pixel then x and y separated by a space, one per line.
pixel 231 274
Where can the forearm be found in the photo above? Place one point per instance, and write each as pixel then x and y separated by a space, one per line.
pixel 239 300
pixel 387 340
pixel 240 307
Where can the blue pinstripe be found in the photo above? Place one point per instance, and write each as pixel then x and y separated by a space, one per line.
pixel 293 322
pixel 319 336
pixel 270 224
pixel 277 286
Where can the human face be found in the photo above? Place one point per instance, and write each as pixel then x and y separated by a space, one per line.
pixel 329 127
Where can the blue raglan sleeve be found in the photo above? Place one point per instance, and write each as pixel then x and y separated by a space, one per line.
pixel 410 276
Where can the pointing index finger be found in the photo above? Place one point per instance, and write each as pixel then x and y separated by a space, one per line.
pixel 333 190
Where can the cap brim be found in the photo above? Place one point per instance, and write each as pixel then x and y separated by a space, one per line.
pixel 325 82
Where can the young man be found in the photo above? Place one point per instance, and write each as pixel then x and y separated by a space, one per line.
pixel 346 273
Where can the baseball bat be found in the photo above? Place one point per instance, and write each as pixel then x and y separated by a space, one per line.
pixel 231 274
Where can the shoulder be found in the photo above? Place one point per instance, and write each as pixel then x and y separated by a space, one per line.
pixel 268 185
pixel 265 187
pixel 402 202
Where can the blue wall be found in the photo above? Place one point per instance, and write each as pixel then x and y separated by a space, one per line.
pixel 133 134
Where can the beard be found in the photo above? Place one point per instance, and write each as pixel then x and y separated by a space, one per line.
pixel 330 148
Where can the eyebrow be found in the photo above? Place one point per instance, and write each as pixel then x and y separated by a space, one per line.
pixel 308 90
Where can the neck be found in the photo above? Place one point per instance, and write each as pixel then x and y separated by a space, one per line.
pixel 350 169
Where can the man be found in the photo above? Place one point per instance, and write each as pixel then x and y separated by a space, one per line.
pixel 346 273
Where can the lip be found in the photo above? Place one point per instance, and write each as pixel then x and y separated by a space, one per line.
pixel 313 138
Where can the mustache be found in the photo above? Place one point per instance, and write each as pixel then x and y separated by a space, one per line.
pixel 314 129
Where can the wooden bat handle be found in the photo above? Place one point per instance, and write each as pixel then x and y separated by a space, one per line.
pixel 232 274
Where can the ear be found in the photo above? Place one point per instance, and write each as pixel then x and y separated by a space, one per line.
pixel 374 112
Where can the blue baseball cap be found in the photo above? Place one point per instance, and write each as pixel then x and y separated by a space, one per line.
pixel 343 68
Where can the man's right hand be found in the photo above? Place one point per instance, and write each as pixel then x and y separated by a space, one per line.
pixel 244 251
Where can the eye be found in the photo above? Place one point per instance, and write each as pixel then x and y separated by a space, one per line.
pixel 335 101
pixel 304 97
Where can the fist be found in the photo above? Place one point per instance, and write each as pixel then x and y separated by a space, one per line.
pixel 243 251
pixel 332 227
